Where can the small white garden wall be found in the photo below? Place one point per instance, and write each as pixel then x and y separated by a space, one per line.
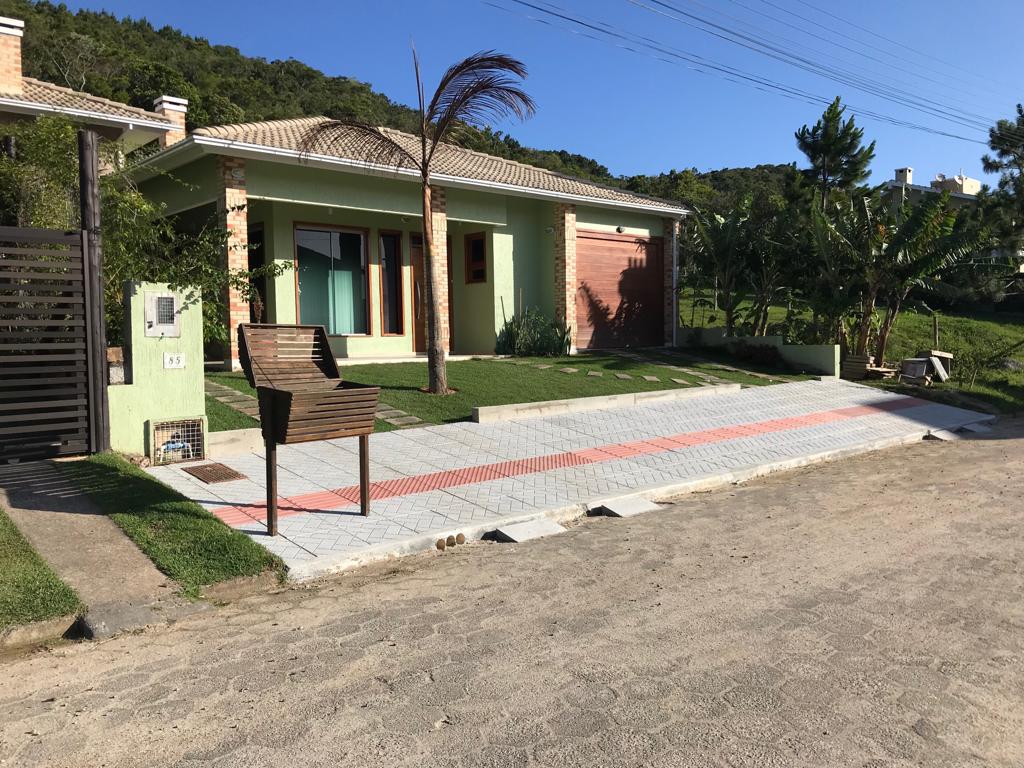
pixel 822 359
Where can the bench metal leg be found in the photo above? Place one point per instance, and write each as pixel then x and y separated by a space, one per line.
pixel 271 487
pixel 364 474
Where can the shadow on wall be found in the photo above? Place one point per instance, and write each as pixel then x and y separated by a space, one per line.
pixel 626 314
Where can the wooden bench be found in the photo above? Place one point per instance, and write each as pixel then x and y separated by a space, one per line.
pixel 303 398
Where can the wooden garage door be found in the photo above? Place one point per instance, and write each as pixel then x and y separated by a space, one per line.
pixel 620 293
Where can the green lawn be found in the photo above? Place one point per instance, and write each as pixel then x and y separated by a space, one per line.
pixel 29 589
pixel 495 382
pixel 722 365
pixel 222 417
pixel 182 539
pixel 993 331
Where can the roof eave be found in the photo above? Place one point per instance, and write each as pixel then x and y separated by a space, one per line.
pixel 219 146
pixel 20 106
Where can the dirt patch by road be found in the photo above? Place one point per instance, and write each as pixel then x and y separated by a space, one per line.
pixel 860 613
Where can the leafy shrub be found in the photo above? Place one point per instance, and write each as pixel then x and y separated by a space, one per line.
pixel 531 334
pixel 761 354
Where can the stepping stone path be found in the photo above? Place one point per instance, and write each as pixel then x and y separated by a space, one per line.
pixel 595 373
pixel 705 379
pixel 624 376
pixel 568 370
pixel 250 406
pixel 232 398
pixel 651 378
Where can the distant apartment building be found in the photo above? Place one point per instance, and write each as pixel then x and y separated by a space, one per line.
pixel 963 190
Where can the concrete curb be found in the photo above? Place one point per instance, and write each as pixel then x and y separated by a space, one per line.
pixel 491 413
pixel 243 586
pixel 37 633
pixel 233 442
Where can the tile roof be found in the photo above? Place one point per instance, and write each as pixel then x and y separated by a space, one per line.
pixel 350 144
pixel 62 99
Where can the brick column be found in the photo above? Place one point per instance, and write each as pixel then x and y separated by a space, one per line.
pixel 232 209
pixel 670 258
pixel 439 260
pixel 565 267
pixel 11 32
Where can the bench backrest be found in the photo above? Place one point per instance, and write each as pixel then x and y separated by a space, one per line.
pixel 286 356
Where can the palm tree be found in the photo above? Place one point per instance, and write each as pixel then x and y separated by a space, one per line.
pixel 482 88
pixel 719 246
pixel 857 233
pixel 924 242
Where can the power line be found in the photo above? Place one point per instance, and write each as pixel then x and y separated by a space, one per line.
pixel 901 98
pixel 899 60
pixel 901 44
pixel 647 46
pixel 776 53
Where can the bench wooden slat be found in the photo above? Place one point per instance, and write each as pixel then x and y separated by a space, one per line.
pixel 302 397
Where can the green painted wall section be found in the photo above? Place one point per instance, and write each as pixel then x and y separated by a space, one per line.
pixel 524 255
pixel 381 194
pixel 156 393
pixel 184 187
pixel 473 314
pixel 607 219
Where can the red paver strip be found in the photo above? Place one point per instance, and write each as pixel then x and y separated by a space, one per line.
pixel 245 513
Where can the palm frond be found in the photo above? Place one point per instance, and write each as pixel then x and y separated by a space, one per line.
pixel 480 89
pixel 375 146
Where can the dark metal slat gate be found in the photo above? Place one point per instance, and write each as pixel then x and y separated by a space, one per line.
pixel 52 364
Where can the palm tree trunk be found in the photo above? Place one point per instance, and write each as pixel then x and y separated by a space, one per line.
pixel 864 327
pixel 887 326
pixel 437 373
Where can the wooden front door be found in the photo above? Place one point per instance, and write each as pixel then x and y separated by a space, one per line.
pixel 419 307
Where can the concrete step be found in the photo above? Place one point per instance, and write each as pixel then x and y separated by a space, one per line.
pixel 629 506
pixel 531 529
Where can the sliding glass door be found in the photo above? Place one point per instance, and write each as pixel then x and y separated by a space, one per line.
pixel 332 279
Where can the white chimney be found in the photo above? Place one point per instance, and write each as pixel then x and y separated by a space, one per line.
pixel 174 109
pixel 11 31
pixel 905 175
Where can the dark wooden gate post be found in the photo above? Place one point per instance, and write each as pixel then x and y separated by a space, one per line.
pixel 92 264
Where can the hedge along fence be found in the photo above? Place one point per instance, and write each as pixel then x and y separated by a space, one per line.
pixel 811 358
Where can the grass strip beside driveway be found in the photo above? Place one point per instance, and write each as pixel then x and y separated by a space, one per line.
pixel 182 539
pixel 494 382
pixel 29 590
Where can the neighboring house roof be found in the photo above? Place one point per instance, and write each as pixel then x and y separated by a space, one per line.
pixel 42 98
pixel 450 164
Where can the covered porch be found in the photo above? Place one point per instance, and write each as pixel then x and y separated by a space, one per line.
pixel 350 253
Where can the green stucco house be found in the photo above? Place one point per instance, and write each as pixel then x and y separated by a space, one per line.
pixel 603 259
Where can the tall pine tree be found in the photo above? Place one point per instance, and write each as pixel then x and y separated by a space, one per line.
pixel 834 148
pixel 1004 207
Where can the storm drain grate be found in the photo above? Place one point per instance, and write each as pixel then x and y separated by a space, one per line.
pixel 214 473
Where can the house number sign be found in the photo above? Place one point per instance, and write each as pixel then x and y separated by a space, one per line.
pixel 174 360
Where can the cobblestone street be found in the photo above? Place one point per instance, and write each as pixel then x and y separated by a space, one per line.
pixel 860 613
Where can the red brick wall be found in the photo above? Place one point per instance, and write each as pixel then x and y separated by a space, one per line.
pixel 439 258
pixel 232 208
pixel 565 266
pixel 10 64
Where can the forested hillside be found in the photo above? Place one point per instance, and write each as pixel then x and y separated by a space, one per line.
pixel 132 61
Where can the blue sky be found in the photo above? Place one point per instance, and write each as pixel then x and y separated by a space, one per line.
pixel 639 114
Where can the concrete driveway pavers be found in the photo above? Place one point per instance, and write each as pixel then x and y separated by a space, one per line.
pixel 469 478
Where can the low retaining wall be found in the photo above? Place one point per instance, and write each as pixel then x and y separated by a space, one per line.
pixel 809 358
pixel 490 413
